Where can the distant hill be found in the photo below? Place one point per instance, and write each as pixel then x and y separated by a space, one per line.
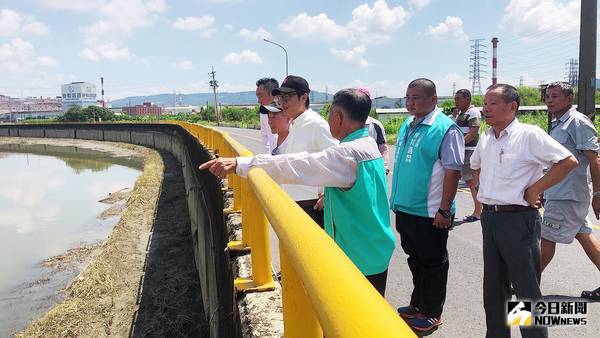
pixel 240 98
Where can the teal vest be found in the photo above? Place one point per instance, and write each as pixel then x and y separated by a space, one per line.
pixel 358 218
pixel 415 156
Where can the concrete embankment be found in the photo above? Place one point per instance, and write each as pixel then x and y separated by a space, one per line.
pixel 202 194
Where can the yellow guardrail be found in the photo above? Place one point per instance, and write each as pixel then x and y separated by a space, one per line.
pixel 323 292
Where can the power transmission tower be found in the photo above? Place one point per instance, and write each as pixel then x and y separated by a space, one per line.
pixel 214 84
pixel 521 81
pixel 572 72
pixel 475 73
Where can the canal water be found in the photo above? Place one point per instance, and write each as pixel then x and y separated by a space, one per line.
pixel 49 203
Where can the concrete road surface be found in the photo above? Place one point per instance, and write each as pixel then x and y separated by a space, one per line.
pixel 568 274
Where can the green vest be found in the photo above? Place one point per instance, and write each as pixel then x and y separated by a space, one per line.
pixel 416 154
pixel 358 218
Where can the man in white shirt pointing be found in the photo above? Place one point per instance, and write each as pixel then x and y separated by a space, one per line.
pixel 353 173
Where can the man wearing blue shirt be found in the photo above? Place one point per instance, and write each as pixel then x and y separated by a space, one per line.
pixel 567 203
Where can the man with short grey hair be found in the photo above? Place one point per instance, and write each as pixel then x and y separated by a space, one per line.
pixel 568 202
pixel 264 94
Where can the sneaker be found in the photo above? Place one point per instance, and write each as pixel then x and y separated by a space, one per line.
pixel 408 312
pixel 423 323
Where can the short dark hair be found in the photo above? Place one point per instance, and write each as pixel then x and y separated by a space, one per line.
pixel 508 94
pixel 268 84
pixel 356 104
pixel 564 87
pixel 427 85
pixel 464 93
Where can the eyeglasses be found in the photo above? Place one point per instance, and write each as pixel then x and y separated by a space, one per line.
pixel 286 97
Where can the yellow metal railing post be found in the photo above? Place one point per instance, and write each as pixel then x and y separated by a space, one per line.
pixel 255 219
pixel 244 195
pixel 299 318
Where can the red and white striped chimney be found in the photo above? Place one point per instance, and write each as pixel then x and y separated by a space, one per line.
pixel 494 61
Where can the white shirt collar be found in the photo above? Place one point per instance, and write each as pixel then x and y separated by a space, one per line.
pixel 430 117
pixel 506 131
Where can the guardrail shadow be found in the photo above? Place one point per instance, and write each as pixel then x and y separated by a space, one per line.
pixel 170 297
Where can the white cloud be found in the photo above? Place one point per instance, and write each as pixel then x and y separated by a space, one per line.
pixel 369 24
pixel 107 51
pixel 259 34
pixel 527 18
pixel 446 84
pixel 184 65
pixel 378 88
pixel 194 23
pixel 19 57
pixel 13 23
pixel 379 17
pixel 420 4
pixel 353 56
pixel 228 27
pixel 246 56
pixel 449 28
pixel 119 19
pixel 319 26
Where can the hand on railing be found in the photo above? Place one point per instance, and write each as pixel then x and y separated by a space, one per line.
pixel 220 167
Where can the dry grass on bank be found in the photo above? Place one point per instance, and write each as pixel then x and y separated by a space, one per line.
pixel 102 300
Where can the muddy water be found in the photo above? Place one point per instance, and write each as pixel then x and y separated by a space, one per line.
pixel 48 205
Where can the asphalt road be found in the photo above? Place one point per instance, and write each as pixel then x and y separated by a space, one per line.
pixel 568 274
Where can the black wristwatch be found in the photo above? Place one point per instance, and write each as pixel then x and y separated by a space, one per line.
pixel 445 213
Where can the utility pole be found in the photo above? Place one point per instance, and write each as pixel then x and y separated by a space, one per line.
pixel 453 88
pixel 571 69
pixel 326 94
pixel 476 71
pixel 495 60
pixel 521 81
pixel 214 84
pixel 587 59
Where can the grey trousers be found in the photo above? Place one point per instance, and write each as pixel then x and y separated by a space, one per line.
pixel 511 254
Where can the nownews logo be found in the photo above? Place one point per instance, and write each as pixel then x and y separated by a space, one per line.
pixel 546 313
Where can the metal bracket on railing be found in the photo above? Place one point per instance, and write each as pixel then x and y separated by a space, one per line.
pixel 237 246
pixel 246 285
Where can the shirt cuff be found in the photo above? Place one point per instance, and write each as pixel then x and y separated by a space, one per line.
pixel 243 165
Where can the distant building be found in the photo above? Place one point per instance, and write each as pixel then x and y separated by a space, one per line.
pixel 144 109
pixel 81 94
pixel 16 109
pixel 180 110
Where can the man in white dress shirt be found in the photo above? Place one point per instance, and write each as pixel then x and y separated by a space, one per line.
pixel 509 160
pixel 308 132
pixel 356 204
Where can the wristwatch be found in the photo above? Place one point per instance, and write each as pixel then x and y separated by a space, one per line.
pixel 445 213
pixel 596 194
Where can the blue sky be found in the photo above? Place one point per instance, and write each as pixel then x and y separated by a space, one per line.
pixel 144 47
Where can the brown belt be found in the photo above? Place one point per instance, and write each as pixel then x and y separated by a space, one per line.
pixel 506 208
pixel 307 203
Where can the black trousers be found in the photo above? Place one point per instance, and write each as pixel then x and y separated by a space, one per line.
pixel 426 247
pixel 316 215
pixel 511 254
pixel 379 281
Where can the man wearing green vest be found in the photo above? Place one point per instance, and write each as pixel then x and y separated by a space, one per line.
pixel 429 158
pixel 353 174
